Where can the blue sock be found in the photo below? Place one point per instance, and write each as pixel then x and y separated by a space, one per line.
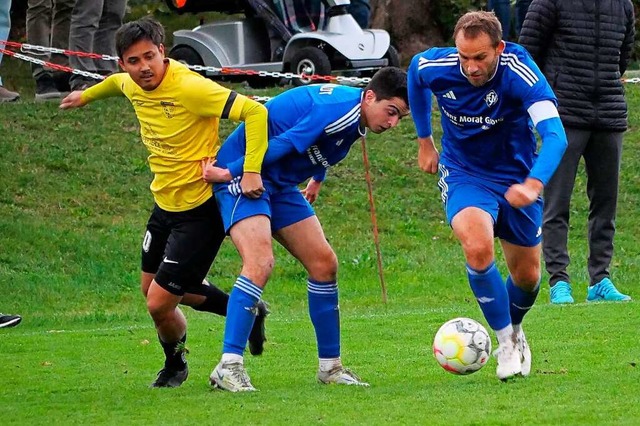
pixel 520 301
pixel 325 316
pixel 491 294
pixel 240 315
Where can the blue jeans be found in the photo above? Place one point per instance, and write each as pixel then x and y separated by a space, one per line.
pixel 5 24
pixel 502 9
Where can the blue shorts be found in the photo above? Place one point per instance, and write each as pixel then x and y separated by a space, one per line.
pixel 522 227
pixel 284 206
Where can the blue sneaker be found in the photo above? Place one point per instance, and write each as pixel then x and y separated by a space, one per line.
pixel 605 291
pixel 561 293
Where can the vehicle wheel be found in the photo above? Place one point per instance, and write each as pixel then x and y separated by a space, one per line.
pixel 393 60
pixel 187 55
pixel 392 57
pixel 309 60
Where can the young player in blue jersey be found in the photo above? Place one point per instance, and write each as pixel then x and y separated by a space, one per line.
pixel 491 94
pixel 310 129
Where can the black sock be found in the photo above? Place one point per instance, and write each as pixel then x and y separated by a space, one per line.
pixel 174 353
pixel 216 301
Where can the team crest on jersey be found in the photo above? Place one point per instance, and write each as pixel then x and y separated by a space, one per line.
pixel 491 98
pixel 168 108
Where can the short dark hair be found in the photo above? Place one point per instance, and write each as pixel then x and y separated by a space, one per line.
pixel 389 82
pixel 472 24
pixel 132 32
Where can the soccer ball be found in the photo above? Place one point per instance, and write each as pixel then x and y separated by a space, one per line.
pixel 462 346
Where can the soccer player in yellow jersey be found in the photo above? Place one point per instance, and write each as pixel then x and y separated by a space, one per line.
pixel 179 113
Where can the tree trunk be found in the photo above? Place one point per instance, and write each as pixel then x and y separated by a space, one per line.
pixel 409 23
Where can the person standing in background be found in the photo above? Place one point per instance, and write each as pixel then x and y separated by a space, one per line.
pixel 502 10
pixel 48 26
pixel 5 25
pixel 93 27
pixel 521 13
pixel 583 48
pixel 361 12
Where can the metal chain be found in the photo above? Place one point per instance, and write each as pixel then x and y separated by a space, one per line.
pixel 37 50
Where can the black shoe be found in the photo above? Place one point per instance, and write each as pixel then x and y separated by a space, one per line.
pixel 61 81
pixel 83 84
pixel 9 320
pixel 46 88
pixel 170 378
pixel 258 336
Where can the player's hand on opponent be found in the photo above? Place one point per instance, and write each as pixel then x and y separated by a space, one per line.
pixel 428 156
pixel 251 185
pixel 523 194
pixel 213 174
pixel 312 190
pixel 72 100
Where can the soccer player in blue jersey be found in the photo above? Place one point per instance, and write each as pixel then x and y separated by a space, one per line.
pixel 310 129
pixel 491 95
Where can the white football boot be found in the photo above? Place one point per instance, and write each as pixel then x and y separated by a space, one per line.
pixel 232 377
pixel 340 376
pixel 509 361
pixel 525 353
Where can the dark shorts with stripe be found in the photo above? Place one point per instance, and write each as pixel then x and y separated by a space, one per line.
pixel 179 247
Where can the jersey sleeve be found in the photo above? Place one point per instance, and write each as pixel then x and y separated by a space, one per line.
pixel 527 83
pixel 208 99
pixel 107 88
pixel 419 99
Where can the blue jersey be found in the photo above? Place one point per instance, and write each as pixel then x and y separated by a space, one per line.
pixel 487 131
pixel 310 129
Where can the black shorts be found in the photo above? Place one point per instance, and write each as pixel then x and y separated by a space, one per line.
pixel 179 247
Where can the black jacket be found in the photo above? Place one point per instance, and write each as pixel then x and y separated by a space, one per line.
pixel 583 47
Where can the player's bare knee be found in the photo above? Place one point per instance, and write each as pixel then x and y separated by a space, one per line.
pixel 527 280
pixel 258 269
pixel 324 267
pixel 479 255
pixel 159 311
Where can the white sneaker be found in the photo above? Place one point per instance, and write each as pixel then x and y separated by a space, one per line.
pixel 340 376
pixel 509 361
pixel 232 377
pixel 525 353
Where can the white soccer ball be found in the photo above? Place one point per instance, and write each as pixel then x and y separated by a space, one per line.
pixel 462 346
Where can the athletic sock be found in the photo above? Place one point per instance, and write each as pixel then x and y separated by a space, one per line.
pixel 174 353
pixel 329 364
pixel 491 294
pixel 520 301
pixel 216 300
pixel 240 315
pixel 505 335
pixel 325 316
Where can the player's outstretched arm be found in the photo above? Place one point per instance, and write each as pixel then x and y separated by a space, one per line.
pixel 428 156
pixel 111 86
pixel 73 100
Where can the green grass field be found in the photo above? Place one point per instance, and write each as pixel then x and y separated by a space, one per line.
pixel 74 200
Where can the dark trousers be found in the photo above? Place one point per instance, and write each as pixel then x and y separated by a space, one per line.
pixel 602 152
pixel 48 25
pixel 93 28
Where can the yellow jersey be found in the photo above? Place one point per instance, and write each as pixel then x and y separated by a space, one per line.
pixel 179 126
